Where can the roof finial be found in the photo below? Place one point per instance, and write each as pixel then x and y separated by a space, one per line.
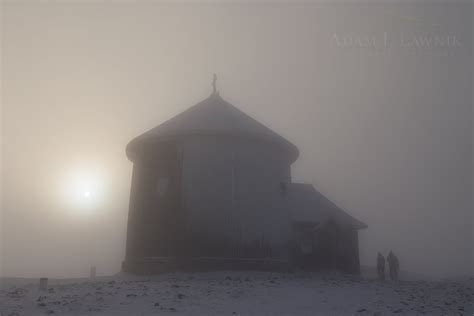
pixel 214 80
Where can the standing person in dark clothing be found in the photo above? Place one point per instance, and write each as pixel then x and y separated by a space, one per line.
pixel 380 266
pixel 393 266
pixel 396 266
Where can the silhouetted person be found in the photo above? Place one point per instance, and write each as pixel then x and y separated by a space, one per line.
pixel 380 266
pixel 393 266
pixel 397 266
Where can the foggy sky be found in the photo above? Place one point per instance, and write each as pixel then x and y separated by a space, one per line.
pixel 384 126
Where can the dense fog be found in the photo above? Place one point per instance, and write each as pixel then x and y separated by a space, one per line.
pixel 377 97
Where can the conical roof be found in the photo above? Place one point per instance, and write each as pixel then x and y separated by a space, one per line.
pixel 212 116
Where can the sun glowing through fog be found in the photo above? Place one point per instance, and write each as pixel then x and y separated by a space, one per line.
pixel 83 189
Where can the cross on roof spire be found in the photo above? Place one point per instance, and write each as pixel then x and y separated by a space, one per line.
pixel 214 80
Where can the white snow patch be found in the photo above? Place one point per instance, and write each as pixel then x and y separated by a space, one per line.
pixel 237 293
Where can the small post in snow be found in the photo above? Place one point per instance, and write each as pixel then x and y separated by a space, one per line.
pixel 43 284
pixel 93 273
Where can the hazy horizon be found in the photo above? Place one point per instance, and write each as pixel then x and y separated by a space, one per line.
pixel 382 118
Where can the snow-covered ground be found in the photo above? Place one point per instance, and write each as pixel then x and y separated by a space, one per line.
pixel 237 293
